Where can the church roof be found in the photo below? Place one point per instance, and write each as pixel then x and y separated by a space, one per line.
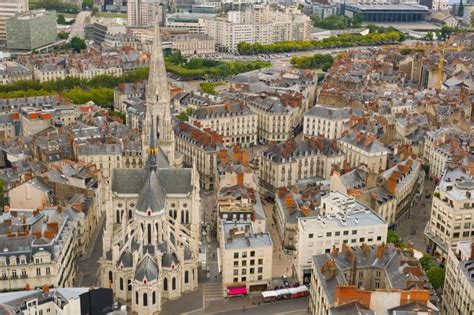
pixel 146 268
pixel 126 259
pixel 173 181
pixel 152 196
pixel 169 259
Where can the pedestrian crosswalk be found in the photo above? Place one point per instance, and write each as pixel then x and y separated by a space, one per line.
pixel 212 291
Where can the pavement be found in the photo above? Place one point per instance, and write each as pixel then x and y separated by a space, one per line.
pixel 77 29
pixel 419 216
pixel 88 265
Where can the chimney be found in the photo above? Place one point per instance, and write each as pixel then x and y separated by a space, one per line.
pixel 380 250
pixel 240 179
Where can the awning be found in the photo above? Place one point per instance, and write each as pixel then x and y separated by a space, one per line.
pixel 237 290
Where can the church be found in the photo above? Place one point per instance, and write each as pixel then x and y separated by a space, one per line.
pixel 151 237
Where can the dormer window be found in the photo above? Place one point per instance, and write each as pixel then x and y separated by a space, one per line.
pixel 13 260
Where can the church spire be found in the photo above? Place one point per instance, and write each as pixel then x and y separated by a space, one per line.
pixel 158 100
pixel 157 92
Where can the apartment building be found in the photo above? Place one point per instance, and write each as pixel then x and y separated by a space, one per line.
pixel 34 121
pixel 443 145
pixel 292 203
pixel 329 122
pixel 195 23
pixel 246 259
pixel 259 24
pixel 42 254
pixel 363 186
pixel 194 44
pixel 106 156
pixel 9 125
pixel 126 91
pixel 233 168
pixel 8 9
pixel 199 147
pixel 282 165
pixel 11 72
pixel 458 292
pixel 362 148
pixel 452 210
pixel 59 301
pixel 342 221
pixel 377 279
pixel 234 121
pixel 241 204
pixel 405 182
pixel 143 12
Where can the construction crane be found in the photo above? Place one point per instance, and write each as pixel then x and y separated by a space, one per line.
pixel 439 48
pixel 442 49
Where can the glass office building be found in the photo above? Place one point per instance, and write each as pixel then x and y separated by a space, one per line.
pixel 388 12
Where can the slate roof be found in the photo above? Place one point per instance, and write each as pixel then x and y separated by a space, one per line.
pixel 152 195
pixel 126 259
pixel 147 268
pixel 333 113
pixel 173 181
pixel 360 141
pixel 294 149
pixel 391 262
pixel 351 308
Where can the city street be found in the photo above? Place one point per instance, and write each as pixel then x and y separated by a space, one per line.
pixel 88 265
pixel 77 29
pixel 419 216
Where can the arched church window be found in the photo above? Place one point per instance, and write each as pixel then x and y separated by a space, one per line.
pixel 130 214
pixel 121 284
pixel 173 284
pixel 165 284
pixel 145 299
pixel 186 276
pixel 111 277
pixel 118 216
pixel 153 298
pixel 149 233
pixel 187 216
pixel 136 297
pixel 129 285
pixel 182 216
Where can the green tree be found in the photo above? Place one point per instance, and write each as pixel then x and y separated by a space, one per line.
pixel 63 35
pixel 425 262
pixel 357 20
pixel 119 115
pixel 61 19
pixel 393 237
pixel 436 276
pixel 77 44
pixel 184 115
pixel 87 4
pixel 333 22
pixel 429 36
